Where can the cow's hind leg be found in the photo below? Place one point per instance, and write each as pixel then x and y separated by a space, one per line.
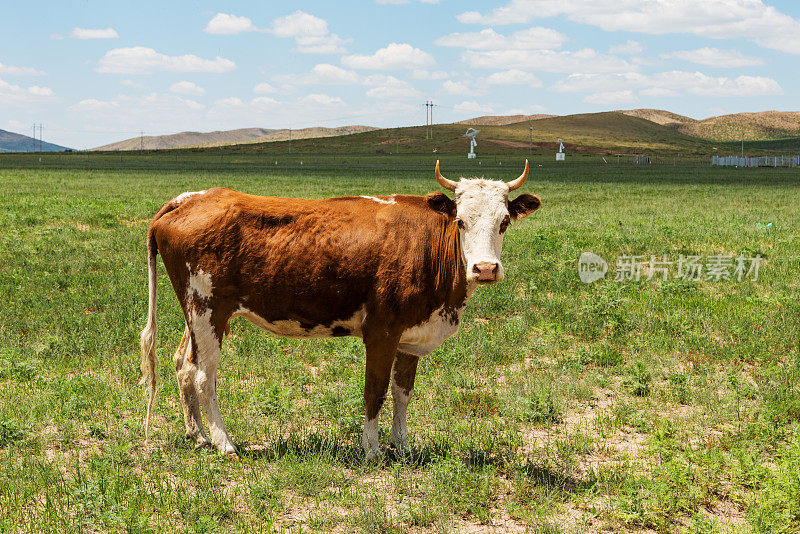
pixel 185 371
pixel 403 374
pixel 381 348
pixel 206 339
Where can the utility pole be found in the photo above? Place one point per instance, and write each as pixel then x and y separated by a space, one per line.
pixel 427 121
pixel 530 147
pixel 431 119
pixel 742 144
pixel 34 138
pixel 41 137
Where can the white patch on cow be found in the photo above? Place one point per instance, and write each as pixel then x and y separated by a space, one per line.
pixel 400 399
pixel 424 338
pixel 481 205
pixel 369 439
pixel 200 285
pixel 183 197
pixel 289 328
pixel 380 200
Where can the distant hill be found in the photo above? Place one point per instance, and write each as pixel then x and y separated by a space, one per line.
pixel 765 125
pixel 14 142
pixel 659 116
pixel 761 126
pixel 228 137
pixel 502 120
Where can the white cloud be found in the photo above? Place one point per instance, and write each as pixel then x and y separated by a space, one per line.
pixel 187 88
pixel 629 48
pixel 612 97
pixel 92 104
pixel 716 19
pixel 142 60
pixel 310 33
pixel 322 99
pixel 714 57
pixel 19 71
pixel 536 38
pixel 514 77
pixel 226 24
pixel 40 91
pixel 264 102
pixel 585 60
pixel 392 57
pixel 82 33
pixel 659 92
pixel 460 88
pixel 16 95
pixel 229 102
pixel 422 74
pixel 381 85
pixel 264 89
pixel 131 83
pixel 670 84
pixel 390 88
pixel 472 107
pixel 323 73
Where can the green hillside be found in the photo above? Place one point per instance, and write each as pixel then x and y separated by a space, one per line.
pixel 592 133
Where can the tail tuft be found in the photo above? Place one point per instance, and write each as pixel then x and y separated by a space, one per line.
pixel 147 339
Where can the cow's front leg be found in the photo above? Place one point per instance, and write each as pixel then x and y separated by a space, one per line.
pixel 381 347
pixel 403 373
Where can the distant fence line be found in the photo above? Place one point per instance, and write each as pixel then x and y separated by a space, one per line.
pixel 761 161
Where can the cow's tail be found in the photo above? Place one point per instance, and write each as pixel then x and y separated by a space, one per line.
pixel 147 339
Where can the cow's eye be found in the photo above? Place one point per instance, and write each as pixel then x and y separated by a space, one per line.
pixel 460 223
pixel 504 224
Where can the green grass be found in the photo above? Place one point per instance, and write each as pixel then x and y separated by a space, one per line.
pixel 559 407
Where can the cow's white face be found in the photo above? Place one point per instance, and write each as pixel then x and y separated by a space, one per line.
pixel 483 212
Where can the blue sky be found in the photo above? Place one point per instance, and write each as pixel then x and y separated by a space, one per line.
pixel 98 72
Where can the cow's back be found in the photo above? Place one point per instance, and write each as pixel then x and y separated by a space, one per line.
pixel 310 262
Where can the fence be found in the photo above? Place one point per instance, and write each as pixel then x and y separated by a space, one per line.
pixel 762 161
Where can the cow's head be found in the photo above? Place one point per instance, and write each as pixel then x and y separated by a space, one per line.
pixel 483 212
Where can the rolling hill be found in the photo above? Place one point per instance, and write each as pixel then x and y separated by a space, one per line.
pixel 14 142
pixel 502 120
pixel 228 137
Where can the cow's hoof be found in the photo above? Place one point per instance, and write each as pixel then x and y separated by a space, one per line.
pixel 228 449
pixel 200 440
pixel 373 455
pixel 403 450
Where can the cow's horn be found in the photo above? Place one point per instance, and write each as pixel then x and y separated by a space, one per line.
pixel 444 182
pixel 516 184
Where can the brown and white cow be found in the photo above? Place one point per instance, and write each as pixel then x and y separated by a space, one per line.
pixel 396 271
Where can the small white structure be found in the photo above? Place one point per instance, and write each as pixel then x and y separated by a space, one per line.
pixel 471 133
pixel 560 154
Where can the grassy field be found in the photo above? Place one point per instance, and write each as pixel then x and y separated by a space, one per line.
pixel 559 407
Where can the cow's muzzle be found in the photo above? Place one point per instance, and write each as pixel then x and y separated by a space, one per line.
pixel 487 272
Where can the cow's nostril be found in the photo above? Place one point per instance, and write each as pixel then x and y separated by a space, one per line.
pixel 486 270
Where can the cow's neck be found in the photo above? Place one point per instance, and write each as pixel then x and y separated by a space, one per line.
pixel 451 276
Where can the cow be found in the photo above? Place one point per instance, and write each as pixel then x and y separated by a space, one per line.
pixel 396 271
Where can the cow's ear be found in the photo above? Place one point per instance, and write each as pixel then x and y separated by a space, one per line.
pixel 523 205
pixel 442 203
